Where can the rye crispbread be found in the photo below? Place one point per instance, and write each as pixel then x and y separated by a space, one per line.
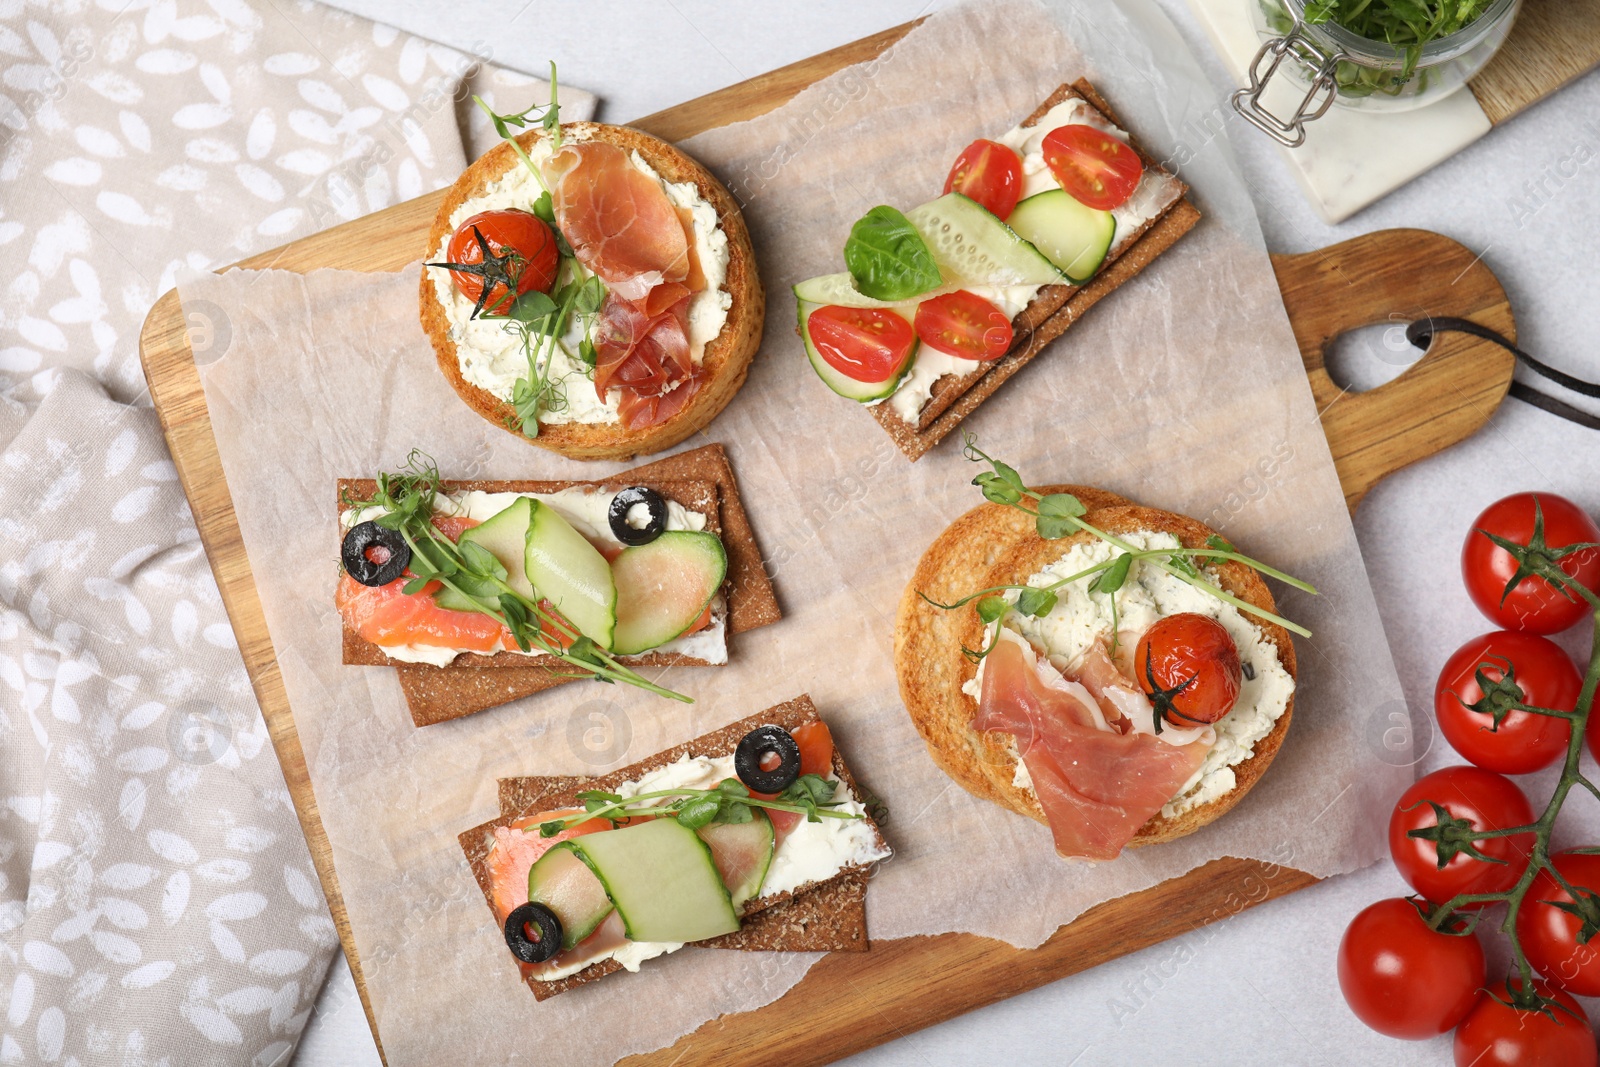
pixel 993 545
pixel 827 916
pixel 1052 310
pixel 701 479
pixel 727 356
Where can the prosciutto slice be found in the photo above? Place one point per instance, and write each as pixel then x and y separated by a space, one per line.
pixel 1098 779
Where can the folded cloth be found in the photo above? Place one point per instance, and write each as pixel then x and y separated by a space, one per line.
pixel 157 901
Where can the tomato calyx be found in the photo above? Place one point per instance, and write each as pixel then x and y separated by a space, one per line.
pixel 1453 837
pixel 1537 559
pixel 500 272
pixel 1522 996
pixel 1162 699
pixel 1584 906
pixel 1501 696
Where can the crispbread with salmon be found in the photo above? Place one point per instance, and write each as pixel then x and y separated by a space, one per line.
pixel 727 357
pixel 822 916
pixel 993 545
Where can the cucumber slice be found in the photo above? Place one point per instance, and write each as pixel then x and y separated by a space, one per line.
pixel 972 245
pixel 843 384
pixel 505 535
pixel 840 290
pixel 742 852
pixel 568 571
pixel 664 586
pixel 1072 235
pixel 563 882
pixel 662 879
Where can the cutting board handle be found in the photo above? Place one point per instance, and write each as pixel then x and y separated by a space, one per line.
pixel 1398 276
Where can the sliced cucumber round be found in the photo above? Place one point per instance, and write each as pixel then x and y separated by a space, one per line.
pixel 568 571
pixel 843 384
pixel 742 852
pixel 840 290
pixel 505 535
pixel 972 245
pixel 662 879
pixel 663 587
pixel 1072 235
pixel 562 881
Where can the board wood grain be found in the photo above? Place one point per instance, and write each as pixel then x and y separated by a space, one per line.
pixel 1553 42
pixel 849 1002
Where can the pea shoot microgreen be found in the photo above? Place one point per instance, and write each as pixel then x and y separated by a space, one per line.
pixel 810 795
pixel 407 499
pixel 1059 515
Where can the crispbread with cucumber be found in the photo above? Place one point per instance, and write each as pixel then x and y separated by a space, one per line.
pixel 1117 672
pixel 941 304
pixel 484 592
pixel 754 836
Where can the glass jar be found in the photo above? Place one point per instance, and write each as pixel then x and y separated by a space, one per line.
pixel 1329 65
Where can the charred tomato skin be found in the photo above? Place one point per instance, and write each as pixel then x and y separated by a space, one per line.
pixel 1192 659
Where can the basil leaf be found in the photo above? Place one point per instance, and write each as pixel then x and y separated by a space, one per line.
pixel 888 258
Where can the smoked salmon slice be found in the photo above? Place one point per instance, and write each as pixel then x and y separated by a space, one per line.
pixel 1097 784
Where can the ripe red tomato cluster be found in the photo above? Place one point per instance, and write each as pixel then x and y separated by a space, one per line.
pixel 1408 977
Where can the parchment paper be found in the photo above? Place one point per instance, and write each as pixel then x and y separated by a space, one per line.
pixel 1183 390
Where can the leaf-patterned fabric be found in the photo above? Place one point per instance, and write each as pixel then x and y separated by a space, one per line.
pixel 157 902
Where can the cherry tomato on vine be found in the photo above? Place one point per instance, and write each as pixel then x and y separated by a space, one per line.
pixel 964 324
pixel 1096 168
pixel 1473 799
pixel 1523 741
pixel 1552 938
pixel 866 344
pixel 990 173
pixel 1189 666
pixel 526 236
pixel 1403 979
pixel 1533 604
pixel 1495 1034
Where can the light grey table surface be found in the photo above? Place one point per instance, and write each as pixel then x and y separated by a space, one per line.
pixel 1258 988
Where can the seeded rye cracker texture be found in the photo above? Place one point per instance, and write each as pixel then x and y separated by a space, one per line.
pixel 1051 311
pixel 994 545
pixel 827 916
pixel 727 356
pixel 701 479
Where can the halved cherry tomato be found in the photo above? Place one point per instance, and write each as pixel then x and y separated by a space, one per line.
pixel 1554 938
pixel 1523 741
pixel 1403 979
pixel 990 173
pixel 1534 604
pixel 816 747
pixel 964 324
pixel 1480 798
pixel 867 344
pixel 1093 166
pixel 1495 1034
pixel 1188 664
pixel 533 260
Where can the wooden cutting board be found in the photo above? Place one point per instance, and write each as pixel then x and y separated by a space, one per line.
pixel 852 1001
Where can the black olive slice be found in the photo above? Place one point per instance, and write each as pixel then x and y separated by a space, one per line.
pixel 371 535
pixel 541 919
pixel 624 502
pixel 753 751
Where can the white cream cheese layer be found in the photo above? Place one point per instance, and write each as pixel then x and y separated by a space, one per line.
pixel 811 852
pixel 588 510
pixel 491 354
pixel 1080 617
pixel 1154 194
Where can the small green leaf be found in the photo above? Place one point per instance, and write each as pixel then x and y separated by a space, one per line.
pixel 586 651
pixel 698 812
pixel 997 489
pixel 1035 602
pixel 591 294
pixel 481 560
pixel 730 810
pixel 586 351
pixel 733 787
pixel 1112 578
pixel 544 207
pixel 532 307
pixel 888 258
pixel 414 586
pixel 991 608
pixel 1063 505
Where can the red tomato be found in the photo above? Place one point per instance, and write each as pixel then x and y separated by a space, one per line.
pixel 1485 800
pixel 1534 605
pixel 990 173
pixel 534 256
pixel 1095 167
pixel 1523 741
pixel 1192 661
pixel 1551 937
pixel 816 747
pixel 1403 979
pixel 866 344
pixel 1494 1034
pixel 964 324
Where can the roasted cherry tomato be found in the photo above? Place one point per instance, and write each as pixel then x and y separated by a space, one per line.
pixel 990 173
pixel 1554 939
pixel 1098 169
pixel 1478 800
pixel 1403 979
pixel 521 242
pixel 1534 604
pixel 1495 1034
pixel 867 344
pixel 1523 741
pixel 964 324
pixel 1189 667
